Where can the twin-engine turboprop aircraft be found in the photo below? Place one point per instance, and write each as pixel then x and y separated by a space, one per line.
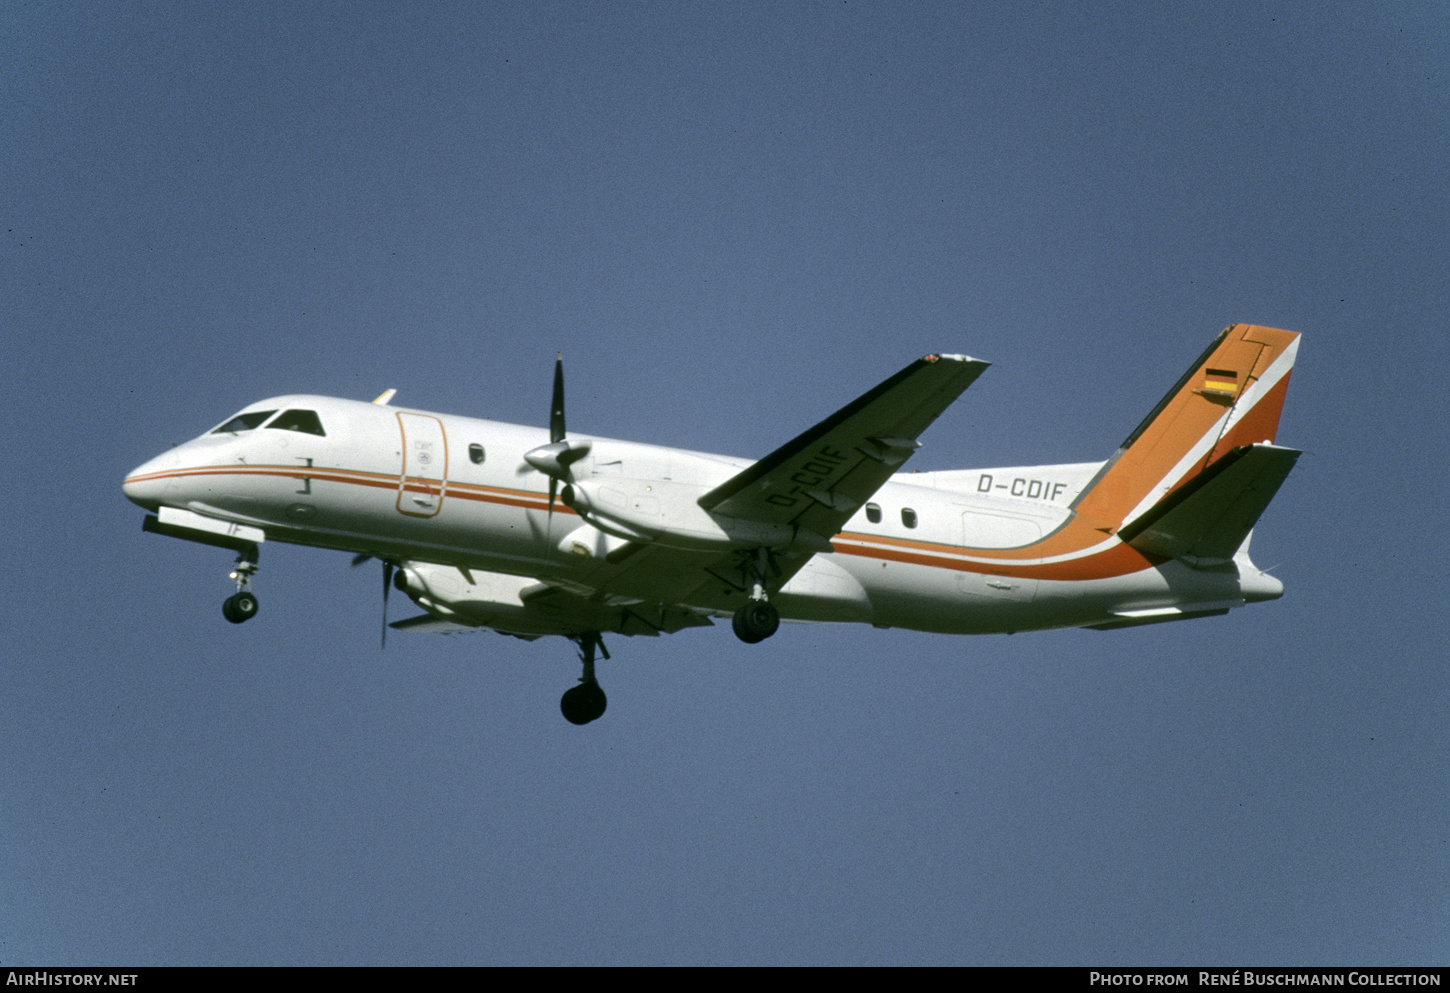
pixel 531 533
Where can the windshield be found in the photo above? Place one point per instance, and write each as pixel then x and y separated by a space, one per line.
pixel 305 421
pixel 245 421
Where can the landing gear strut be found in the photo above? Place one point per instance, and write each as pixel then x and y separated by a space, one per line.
pixel 585 702
pixel 242 605
pixel 758 618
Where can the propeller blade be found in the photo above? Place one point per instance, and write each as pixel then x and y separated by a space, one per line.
pixel 360 558
pixel 387 586
pixel 553 491
pixel 556 409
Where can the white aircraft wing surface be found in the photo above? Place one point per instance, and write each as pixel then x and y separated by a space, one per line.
pixel 819 479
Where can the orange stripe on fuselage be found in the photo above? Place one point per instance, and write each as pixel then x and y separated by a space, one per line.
pixel 526 499
pixel 1114 559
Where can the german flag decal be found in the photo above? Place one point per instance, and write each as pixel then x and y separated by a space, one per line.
pixel 1221 381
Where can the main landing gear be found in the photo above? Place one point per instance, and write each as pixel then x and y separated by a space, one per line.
pixel 242 605
pixel 585 702
pixel 757 619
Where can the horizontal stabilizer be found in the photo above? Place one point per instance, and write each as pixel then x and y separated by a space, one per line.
pixel 1138 618
pixel 1211 516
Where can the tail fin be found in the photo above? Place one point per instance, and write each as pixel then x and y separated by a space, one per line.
pixel 1230 398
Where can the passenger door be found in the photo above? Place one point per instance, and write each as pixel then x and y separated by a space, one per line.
pixel 424 474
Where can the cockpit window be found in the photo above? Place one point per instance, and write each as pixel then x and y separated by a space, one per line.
pixel 245 422
pixel 305 421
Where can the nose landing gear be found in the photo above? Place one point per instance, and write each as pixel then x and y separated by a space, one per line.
pixel 239 607
pixel 585 702
pixel 242 605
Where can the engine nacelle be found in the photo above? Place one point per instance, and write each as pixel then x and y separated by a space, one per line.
pixel 637 510
pixel 478 598
pixel 520 605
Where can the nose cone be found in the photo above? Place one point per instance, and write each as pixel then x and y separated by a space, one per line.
pixel 147 484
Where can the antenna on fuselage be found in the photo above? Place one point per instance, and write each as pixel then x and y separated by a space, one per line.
pixel 385 398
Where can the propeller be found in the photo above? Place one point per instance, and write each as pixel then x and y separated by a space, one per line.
pixel 387 587
pixel 358 560
pixel 555 458
pixel 556 408
pixel 556 425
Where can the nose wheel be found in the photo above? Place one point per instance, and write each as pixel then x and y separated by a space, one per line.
pixel 239 607
pixel 585 702
pixel 242 605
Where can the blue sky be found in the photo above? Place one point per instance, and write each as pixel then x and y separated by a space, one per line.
pixel 731 219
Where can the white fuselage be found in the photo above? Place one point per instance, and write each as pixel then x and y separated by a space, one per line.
pixel 945 551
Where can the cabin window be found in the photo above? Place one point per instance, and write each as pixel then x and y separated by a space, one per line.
pixel 245 422
pixel 305 421
pixel 475 453
pixel 908 517
pixel 873 513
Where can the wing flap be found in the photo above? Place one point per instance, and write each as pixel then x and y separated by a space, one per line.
pixel 1211 516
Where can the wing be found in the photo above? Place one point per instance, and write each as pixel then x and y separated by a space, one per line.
pixel 819 479
pixel 815 482
pixel 459 599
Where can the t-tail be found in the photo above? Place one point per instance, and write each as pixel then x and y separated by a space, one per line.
pixel 1192 480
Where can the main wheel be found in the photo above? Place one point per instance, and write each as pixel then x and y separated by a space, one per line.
pixel 239 607
pixel 583 703
pixel 755 621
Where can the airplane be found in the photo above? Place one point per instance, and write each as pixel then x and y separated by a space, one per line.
pixel 533 532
